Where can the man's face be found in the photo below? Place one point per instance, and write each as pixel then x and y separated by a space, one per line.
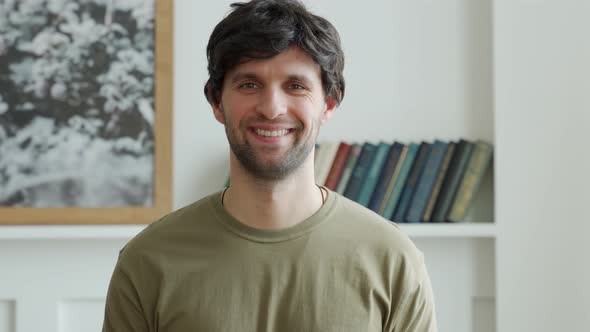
pixel 272 110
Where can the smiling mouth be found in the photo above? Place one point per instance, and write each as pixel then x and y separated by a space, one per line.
pixel 272 133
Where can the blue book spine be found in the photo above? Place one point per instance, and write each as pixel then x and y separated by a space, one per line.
pixel 360 171
pixel 402 209
pixel 372 177
pixel 385 176
pixel 426 182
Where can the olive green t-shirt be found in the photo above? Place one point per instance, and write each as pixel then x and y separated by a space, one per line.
pixel 344 269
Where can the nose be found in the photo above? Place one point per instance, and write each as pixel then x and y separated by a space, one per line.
pixel 272 103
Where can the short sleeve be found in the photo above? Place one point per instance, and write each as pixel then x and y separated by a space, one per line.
pixel 123 311
pixel 416 311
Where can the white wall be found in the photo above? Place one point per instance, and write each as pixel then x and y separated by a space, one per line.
pixel 543 128
pixel 414 70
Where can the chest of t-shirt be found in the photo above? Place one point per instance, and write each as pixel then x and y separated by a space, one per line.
pixel 262 290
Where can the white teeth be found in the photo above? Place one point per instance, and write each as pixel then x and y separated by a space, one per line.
pixel 271 133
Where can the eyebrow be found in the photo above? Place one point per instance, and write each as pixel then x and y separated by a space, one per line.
pixel 301 78
pixel 242 76
pixel 250 75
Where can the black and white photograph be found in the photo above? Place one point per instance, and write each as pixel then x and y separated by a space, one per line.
pixel 77 107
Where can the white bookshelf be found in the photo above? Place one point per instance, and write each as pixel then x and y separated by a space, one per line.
pixel 426 73
pixel 463 230
pixel 62 232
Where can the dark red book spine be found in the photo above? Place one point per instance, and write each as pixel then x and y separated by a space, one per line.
pixel 337 166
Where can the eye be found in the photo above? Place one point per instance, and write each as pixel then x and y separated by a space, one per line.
pixel 248 85
pixel 296 86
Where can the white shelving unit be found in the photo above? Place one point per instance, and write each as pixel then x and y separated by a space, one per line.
pixel 466 230
pixel 469 230
pixel 94 232
pixel 419 71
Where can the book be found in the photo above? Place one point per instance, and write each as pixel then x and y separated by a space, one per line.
pixel 448 190
pixel 426 181
pixel 375 168
pixel 337 166
pixel 476 168
pixel 325 160
pixel 392 159
pixel 351 161
pixel 316 151
pixel 404 204
pixel 317 158
pixel 398 180
pixel 359 173
pixel 438 183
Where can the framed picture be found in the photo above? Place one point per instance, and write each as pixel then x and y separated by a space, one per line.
pixel 85 111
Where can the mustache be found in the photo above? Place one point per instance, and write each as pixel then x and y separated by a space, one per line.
pixel 279 123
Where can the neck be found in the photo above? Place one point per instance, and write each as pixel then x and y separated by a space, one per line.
pixel 275 204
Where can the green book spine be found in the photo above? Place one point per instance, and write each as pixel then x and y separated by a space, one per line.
pixel 438 183
pixel 478 164
pixel 400 180
pixel 448 190
pixel 359 173
pixel 368 186
pixel 392 179
pixel 391 164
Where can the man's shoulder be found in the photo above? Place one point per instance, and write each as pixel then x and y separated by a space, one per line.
pixel 169 228
pixel 369 230
pixel 354 216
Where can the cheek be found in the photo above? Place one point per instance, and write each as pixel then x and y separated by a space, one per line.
pixel 240 106
pixel 307 111
pixel 231 114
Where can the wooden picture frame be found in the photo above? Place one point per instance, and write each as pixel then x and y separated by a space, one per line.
pixel 161 199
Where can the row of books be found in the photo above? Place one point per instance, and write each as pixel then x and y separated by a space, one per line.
pixel 416 182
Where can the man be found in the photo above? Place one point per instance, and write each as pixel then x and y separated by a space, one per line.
pixel 274 251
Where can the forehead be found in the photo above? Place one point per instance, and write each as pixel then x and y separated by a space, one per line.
pixel 294 61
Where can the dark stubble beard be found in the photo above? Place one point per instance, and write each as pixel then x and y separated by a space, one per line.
pixel 282 168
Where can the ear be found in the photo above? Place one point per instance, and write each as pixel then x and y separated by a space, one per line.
pixel 330 107
pixel 218 112
pixel 217 107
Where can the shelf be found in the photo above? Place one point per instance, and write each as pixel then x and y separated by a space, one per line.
pixel 77 232
pixel 464 230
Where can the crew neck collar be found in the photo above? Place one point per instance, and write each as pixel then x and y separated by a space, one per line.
pixel 265 235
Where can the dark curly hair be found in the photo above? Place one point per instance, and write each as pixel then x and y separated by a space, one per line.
pixel 261 29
